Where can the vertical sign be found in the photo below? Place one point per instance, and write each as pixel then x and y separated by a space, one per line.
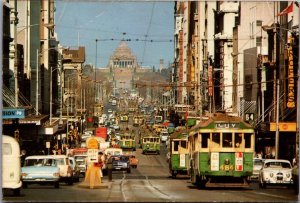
pixel 210 82
pixel 291 80
pixel 214 157
pixel 239 161
pixel 182 160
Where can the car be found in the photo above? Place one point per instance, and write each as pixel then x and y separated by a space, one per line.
pixel 275 172
pixel 42 169
pixel 81 163
pixel 257 165
pixel 66 172
pixel 164 136
pixel 120 163
pixel 116 127
pixel 295 176
pixel 75 169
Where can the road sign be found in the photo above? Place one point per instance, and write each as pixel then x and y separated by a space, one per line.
pixel 13 113
pixel 249 116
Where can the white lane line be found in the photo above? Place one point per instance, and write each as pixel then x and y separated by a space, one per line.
pixel 122 187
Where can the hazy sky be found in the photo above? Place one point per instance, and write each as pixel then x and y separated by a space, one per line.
pixel 81 22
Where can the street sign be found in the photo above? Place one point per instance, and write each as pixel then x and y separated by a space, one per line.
pixel 249 116
pixel 13 113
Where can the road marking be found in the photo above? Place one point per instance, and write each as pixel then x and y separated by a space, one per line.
pixel 122 186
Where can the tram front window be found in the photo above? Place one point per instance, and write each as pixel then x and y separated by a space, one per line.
pixel 238 139
pixel 247 137
pixel 176 144
pixel 216 140
pixel 227 140
pixel 204 141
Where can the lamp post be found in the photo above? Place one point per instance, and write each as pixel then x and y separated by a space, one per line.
pixel 60 74
pixel 95 69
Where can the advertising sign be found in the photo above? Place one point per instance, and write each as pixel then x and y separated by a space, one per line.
pixel 182 160
pixel 13 113
pixel 92 155
pixel 214 157
pixel 239 161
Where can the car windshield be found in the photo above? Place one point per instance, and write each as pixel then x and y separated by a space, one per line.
pixel 40 162
pixel 257 162
pixel 60 161
pixel 278 164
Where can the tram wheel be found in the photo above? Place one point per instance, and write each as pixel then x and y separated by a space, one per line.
pixel 174 174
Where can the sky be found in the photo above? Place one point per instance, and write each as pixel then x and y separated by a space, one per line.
pixel 147 26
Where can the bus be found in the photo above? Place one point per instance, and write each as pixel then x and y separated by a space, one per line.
pixel 150 144
pixel 127 141
pixel 221 151
pixel 178 154
pixel 11 164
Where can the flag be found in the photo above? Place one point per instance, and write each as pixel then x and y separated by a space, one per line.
pixel 287 10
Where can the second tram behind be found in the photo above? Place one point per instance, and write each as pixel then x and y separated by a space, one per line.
pixel 221 152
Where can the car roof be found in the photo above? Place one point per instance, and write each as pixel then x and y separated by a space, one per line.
pixel 276 160
pixel 40 157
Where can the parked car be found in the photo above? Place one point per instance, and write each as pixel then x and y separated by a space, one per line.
pixel 257 165
pixel 66 173
pixel 40 169
pixel 275 172
pixel 81 163
pixel 120 163
pixel 75 169
pixel 11 164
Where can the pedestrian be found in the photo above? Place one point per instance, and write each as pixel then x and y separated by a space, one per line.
pixel 109 167
pixel 100 163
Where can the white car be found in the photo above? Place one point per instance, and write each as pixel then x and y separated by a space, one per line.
pixel 275 172
pixel 164 136
pixel 66 171
pixel 257 165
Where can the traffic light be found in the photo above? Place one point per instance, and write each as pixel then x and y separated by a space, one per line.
pixel 17 134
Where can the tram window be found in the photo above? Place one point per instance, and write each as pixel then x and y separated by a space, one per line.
pixel 183 144
pixel 216 139
pixel 238 140
pixel 176 144
pixel 247 137
pixel 205 137
pixel 227 140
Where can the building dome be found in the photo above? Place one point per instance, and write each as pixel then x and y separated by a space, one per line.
pixel 123 52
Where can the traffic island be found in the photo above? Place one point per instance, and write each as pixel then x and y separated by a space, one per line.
pixel 93 179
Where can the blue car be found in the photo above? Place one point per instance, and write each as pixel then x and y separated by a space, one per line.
pixel 40 169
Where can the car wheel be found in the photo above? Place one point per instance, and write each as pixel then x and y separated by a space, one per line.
pixel 17 191
pixel 25 185
pixel 70 182
pixel 56 185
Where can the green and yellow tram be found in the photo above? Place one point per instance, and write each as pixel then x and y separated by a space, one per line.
pixel 150 144
pixel 221 152
pixel 178 154
pixel 127 141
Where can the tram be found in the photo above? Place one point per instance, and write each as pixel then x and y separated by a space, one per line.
pixel 221 151
pixel 127 141
pixel 150 144
pixel 178 154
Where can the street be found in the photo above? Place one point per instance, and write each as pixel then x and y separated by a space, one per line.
pixel 151 182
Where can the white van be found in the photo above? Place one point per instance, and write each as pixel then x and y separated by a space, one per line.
pixel 11 164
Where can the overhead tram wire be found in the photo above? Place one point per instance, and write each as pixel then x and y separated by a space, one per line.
pixel 148 29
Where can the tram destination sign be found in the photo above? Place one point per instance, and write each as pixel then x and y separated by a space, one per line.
pixel 13 113
pixel 227 125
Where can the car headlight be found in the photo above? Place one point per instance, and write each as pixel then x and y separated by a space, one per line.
pixel 271 175
pixel 56 174
pixel 288 175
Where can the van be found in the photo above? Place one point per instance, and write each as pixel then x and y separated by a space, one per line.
pixel 11 164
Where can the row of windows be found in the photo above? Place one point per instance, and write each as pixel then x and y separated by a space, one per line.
pixel 123 63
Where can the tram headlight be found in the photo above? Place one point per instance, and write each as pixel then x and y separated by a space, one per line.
pixel 288 175
pixel 226 162
pixel 271 175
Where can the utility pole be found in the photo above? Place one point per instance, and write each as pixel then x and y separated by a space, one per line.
pixel 37 84
pixel 277 122
pixel 16 56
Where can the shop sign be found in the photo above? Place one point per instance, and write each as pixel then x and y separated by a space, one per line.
pixel 283 127
pixel 13 113
pixel 291 79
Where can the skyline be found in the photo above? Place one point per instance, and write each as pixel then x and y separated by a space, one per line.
pixel 146 26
